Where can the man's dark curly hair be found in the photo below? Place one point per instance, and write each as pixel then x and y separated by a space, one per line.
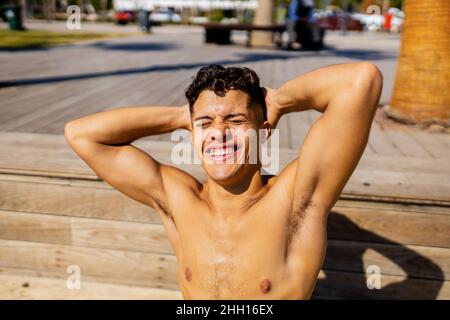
pixel 220 80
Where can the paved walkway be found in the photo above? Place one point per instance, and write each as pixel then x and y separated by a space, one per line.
pixel 42 89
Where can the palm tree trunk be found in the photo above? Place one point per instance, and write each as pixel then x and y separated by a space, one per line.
pixel 422 84
pixel 263 16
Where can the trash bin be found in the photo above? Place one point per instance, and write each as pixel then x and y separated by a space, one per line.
pixel 144 20
pixel 13 15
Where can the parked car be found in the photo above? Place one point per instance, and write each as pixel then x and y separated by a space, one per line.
pixel 124 17
pixel 165 15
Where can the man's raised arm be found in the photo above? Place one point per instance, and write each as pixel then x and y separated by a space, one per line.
pixel 103 141
pixel 347 95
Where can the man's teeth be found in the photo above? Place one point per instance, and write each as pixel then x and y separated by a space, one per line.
pixel 221 152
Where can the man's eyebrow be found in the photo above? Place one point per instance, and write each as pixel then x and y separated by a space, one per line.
pixel 233 115
pixel 202 117
pixel 228 116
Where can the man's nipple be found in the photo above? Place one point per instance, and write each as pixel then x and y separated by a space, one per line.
pixel 265 286
pixel 188 274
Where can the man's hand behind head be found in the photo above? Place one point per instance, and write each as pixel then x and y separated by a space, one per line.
pixel 273 110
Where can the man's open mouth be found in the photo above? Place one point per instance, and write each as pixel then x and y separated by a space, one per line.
pixel 220 153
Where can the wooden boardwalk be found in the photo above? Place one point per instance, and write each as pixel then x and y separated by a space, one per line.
pixel 54 212
pixel 43 89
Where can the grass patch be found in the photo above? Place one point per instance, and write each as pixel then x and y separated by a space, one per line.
pixel 41 38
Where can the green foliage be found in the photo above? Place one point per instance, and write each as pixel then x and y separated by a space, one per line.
pixel 397 4
pixel 217 15
pixel 37 38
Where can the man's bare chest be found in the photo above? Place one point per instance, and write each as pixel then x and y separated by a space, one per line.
pixel 246 259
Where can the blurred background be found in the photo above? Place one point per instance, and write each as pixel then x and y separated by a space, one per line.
pixel 60 60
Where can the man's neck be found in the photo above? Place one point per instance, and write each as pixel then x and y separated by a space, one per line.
pixel 236 197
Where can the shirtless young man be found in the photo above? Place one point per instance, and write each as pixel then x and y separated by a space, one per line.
pixel 241 234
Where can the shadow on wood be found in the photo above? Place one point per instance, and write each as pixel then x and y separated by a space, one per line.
pixel 345 271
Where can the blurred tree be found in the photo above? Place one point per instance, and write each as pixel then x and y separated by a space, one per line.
pixel 23 9
pixel 422 84
pixel 263 16
pixel 340 3
pixel 397 4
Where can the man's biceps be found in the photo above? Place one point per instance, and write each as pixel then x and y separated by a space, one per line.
pixel 138 162
pixel 128 167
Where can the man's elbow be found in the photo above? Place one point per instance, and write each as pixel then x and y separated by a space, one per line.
pixel 69 131
pixel 369 80
pixel 368 76
pixel 72 132
pixel 372 74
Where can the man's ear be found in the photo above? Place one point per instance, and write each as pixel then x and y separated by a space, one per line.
pixel 191 135
pixel 267 128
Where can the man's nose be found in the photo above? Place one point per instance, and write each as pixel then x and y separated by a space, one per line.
pixel 221 133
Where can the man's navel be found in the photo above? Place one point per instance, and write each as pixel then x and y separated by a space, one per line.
pixel 265 285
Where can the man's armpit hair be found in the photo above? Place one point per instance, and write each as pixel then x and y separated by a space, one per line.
pixel 300 206
pixel 297 217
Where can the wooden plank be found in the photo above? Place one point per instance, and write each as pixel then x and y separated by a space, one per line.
pixel 394 258
pixel 380 224
pixel 388 226
pixel 27 96
pixel 144 91
pixel 398 187
pixel 172 88
pixel 350 285
pixel 43 106
pixel 69 104
pixel 369 150
pixel 406 144
pixel 16 287
pixel 394 181
pixel 67 164
pixel 390 206
pixel 381 144
pixel 33 227
pixel 19 95
pixel 432 143
pixel 24 141
pixel 84 232
pixel 92 199
pixel 405 164
pixel 87 104
pixel 393 178
pixel 115 266
pixel 145 269
pixel 38 140
pixel 129 236
pixel 71 199
pixel 365 225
